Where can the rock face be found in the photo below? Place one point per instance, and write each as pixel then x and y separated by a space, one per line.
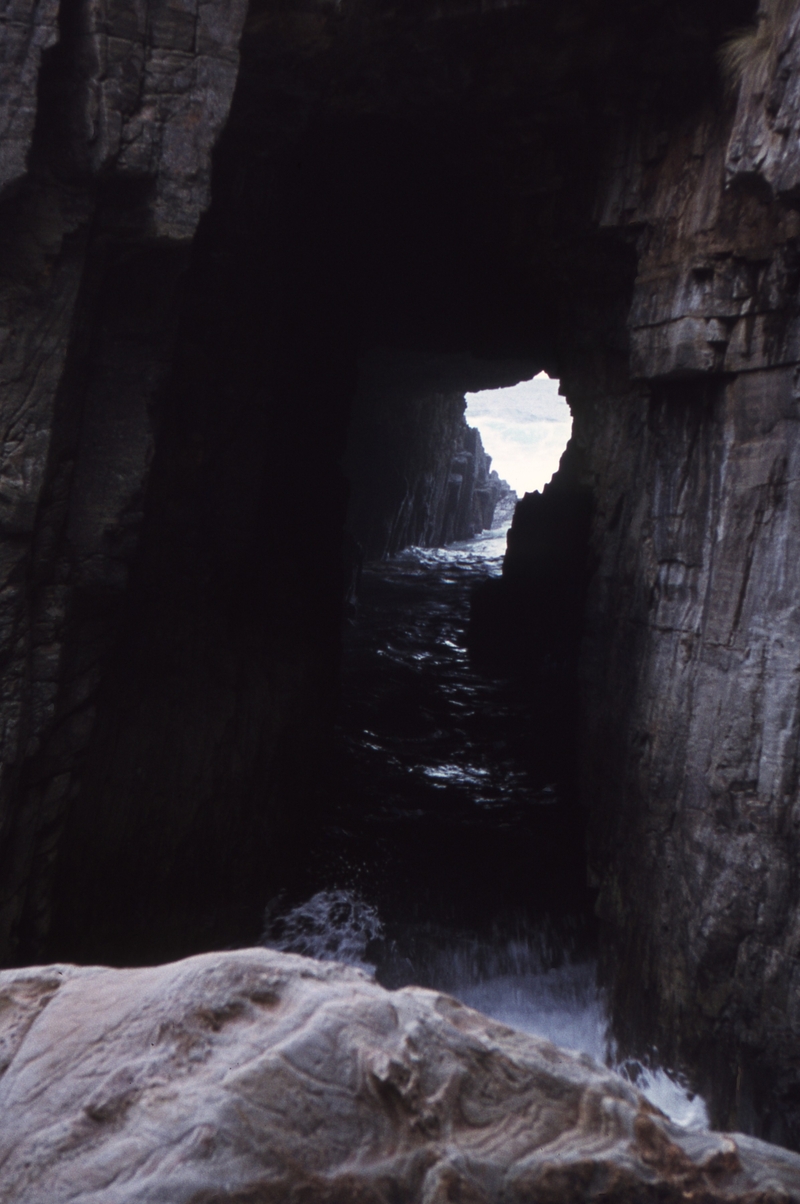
pixel 107 123
pixel 685 439
pixel 691 653
pixel 260 1075
pixel 528 624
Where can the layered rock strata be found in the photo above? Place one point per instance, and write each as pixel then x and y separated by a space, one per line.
pixel 691 655
pixel 260 1075
pixel 685 436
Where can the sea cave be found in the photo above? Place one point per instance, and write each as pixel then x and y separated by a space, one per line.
pixel 272 630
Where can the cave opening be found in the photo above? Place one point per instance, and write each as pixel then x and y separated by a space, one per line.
pixel 452 849
pixel 357 260
pixel 525 428
pixel 355 276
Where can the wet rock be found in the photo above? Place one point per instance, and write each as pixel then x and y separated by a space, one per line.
pixel 263 1075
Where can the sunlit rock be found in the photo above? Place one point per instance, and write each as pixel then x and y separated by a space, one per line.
pixel 256 1075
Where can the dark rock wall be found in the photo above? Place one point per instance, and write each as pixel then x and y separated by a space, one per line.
pixel 174 553
pixel 692 764
pixel 687 741
pixel 204 764
pixel 108 122
pixel 528 624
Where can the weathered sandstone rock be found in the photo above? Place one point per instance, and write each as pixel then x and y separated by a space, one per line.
pixel 260 1076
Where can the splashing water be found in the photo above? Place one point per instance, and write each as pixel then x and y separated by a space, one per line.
pixel 561 1004
pixel 668 1091
pixel 334 925
pixel 511 978
pixel 446 826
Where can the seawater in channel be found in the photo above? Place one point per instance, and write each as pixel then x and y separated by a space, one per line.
pixel 445 858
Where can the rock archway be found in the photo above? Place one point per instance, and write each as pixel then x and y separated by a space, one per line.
pixel 557 185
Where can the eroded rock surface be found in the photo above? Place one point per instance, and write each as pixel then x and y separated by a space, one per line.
pixel 260 1075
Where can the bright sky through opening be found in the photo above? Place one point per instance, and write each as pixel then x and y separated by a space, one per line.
pixel 524 429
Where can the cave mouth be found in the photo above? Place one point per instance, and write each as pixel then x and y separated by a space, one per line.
pixel 449 854
pixel 525 428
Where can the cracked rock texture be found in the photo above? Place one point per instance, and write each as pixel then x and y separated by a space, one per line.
pixel 260 1075
pixel 693 767
pixel 108 116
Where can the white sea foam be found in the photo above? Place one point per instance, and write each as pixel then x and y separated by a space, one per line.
pixel 333 925
pixel 560 1004
pixel 565 1006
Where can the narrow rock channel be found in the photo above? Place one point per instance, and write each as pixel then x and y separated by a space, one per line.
pixel 451 860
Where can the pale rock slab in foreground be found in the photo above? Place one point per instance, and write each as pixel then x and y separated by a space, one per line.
pixel 256 1076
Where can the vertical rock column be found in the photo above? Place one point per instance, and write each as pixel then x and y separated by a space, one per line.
pixel 110 116
pixel 419 474
pixel 693 649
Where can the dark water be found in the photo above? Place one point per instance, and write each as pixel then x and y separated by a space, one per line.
pixel 445 856
pixel 453 820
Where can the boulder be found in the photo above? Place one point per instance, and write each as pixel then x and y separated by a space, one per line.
pixel 258 1076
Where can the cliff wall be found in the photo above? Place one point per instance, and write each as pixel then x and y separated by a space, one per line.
pixel 107 123
pixel 692 766
pixel 686 653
